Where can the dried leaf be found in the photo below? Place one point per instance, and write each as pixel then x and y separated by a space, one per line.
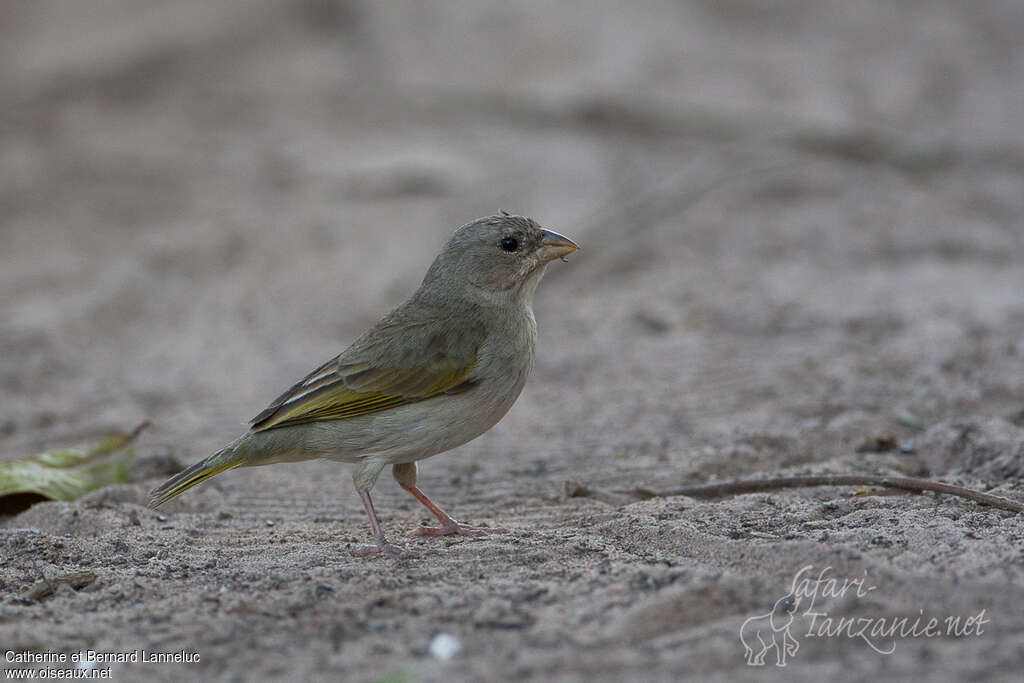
pixel 66 474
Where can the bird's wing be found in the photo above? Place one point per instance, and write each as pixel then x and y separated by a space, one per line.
pixel 393 364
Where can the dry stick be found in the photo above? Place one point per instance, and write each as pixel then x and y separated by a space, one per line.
pixel 915 484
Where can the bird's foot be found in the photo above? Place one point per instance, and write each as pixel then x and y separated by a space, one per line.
pixel 385 549
pixel 456 529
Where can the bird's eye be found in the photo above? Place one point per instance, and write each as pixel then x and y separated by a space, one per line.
pixel 509 244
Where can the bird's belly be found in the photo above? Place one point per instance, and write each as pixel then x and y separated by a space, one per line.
pixel 413 431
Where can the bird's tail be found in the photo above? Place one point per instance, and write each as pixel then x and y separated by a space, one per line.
pixel 221 461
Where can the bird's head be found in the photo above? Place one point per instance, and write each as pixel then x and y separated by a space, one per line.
pixel 501 255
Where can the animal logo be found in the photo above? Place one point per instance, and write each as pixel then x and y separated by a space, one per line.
pixel 761 633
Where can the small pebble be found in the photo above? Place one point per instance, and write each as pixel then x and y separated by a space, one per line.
pixel 908 419
pixel 444 646
pixel 269 522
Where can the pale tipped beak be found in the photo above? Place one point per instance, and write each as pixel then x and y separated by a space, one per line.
pixel 554 246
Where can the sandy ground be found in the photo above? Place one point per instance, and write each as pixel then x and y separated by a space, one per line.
pixel 802 241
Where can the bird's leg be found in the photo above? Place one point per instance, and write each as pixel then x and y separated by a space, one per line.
pixel 405 475
pixel 364 477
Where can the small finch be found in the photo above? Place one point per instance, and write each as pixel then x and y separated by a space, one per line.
pixel 433 374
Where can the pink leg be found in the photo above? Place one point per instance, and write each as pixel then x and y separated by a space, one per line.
pixel 382 547
pixel 449 527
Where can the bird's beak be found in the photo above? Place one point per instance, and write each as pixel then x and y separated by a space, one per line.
pixel 554 246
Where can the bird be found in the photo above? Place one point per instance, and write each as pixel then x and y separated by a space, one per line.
pixel 436 372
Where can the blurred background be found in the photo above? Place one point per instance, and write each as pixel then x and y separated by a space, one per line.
pixel 201 200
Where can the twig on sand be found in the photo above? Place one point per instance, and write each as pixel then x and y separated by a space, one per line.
pixel 913 484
